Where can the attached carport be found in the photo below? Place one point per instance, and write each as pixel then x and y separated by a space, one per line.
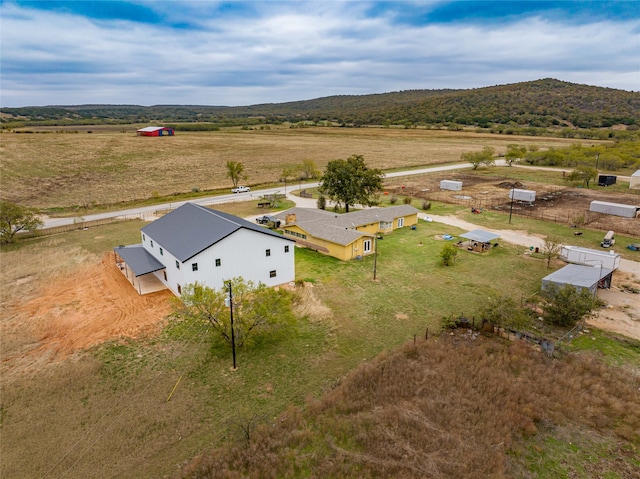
pixel 580 277
pixel 478 240
pixel 139 267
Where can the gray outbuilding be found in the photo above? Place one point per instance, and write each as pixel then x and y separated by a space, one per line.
pixel 580 277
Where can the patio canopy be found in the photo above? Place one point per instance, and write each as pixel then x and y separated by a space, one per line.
pixel 138 259
pixel 481 236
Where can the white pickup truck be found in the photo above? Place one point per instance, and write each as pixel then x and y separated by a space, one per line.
pixel 240 189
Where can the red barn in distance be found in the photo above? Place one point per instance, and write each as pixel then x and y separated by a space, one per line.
pixel 155 131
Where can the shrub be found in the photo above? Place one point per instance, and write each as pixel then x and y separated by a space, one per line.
pixel 393 200
pixel 407 200
pixel 426 205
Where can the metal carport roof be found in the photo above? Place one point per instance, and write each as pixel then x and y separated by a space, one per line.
pixel 138 259
pixel 480 235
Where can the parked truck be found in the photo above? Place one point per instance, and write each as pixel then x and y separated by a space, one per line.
pixel 609 240
pixel 270 221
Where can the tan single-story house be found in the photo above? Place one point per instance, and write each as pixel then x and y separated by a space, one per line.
pixel 344 236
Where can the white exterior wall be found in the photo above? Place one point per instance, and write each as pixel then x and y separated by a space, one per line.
pixel 589 257
pixel 244 254
pixel 451 185
pixel 615 209
pixel 175 276
pixel 241 254
pixel 634 181
pixel 522 195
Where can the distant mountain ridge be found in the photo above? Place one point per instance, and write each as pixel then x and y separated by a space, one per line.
pixel 541 103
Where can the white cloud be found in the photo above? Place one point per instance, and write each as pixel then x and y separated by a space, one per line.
pixel 286 54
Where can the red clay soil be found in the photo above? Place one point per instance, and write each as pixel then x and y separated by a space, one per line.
pixel 93 305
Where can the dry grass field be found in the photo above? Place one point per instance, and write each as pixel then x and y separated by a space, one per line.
pixel 106 166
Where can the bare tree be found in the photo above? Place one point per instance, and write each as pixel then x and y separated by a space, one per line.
pixel 551 248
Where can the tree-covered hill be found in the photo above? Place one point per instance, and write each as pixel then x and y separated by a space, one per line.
pixel 542 103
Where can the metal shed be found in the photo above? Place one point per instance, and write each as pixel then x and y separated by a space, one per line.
pixel 155 131
pixel 615 209
pixel 478 240
pixel 451 185
pixel 634 181
pixel 580 277
pixel 522 195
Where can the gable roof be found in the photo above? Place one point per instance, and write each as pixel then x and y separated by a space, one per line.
pixel 154 128
pixel 340 228
pixel 191 228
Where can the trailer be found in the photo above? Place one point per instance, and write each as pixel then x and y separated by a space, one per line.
pixel 615 209
pixel 522 195
pixel 451 185
pixel 606 180
pixel 634 181
pixel 590 257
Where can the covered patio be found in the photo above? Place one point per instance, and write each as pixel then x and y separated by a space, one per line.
pixel 478 241
pixel 139 267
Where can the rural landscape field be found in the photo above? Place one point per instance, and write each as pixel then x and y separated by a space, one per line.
pixel 100 382
pixel 112 165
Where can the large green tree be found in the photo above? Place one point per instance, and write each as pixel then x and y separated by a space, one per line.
pixel 258 310
pixel 567 305
pixel 583 174
pixel 15 218
pixel 350 182
pixel 235 171
pixel 477 158
pixel 514 153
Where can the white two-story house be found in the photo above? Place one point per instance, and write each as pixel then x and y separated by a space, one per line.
pixel 194 243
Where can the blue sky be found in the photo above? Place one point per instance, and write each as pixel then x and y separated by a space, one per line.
pixel 243 53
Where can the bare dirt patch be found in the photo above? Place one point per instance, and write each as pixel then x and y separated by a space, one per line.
pixel 81 309
pixel 553 202
pixel 621 313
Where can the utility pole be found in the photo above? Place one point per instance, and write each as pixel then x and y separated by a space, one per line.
pixel 233 336
pixel 512 195
pixel 375 256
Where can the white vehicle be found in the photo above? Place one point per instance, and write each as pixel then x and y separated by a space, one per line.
pixel 240 189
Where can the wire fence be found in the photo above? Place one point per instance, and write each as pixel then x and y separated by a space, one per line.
pixel 570 216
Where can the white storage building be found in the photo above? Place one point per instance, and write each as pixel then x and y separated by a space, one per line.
pixel 615 209
pixel 634 183
pixel 590 257
pixel 451 185
pixel 522 195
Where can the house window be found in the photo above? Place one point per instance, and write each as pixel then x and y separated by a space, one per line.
pixel 164 273
pixel 272 273
pixel 194 266
pixel 218 261
pixel 286 248
pixel 144 238
pixel 366 245
pixel 385 225
pixel 179 289
pixel 152 243
pixel 295 233
pixel 400 222
pixel 161 252
pixel 268 252
pixel 177 264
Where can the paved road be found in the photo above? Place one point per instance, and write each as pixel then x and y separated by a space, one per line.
pixel 212 200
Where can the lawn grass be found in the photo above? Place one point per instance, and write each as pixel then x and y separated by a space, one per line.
pixel 122 387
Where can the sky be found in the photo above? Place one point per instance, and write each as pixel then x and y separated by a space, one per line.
pixel 236 53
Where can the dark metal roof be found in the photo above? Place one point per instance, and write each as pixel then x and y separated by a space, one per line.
pixel 191 228
pixel 138 259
